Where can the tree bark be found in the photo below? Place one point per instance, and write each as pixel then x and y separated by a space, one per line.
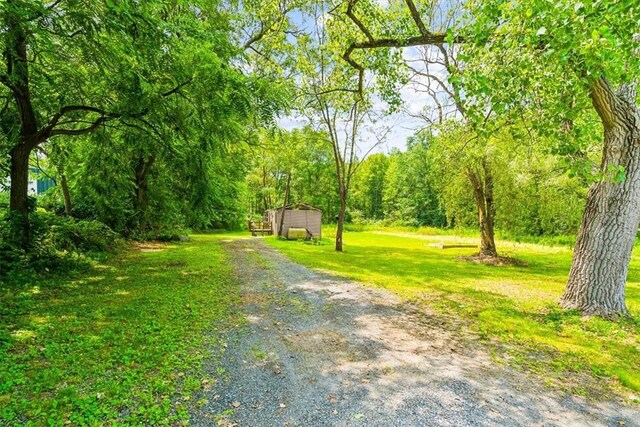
pixel 611 217
pixel 65 194
pixel 286 203
pixel 341 215
pixel 18 196
pixel 482 183
pixel 19 180
pixel 18 72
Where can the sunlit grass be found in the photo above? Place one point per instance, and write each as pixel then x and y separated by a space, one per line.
pixel 123 344
pixel 517 305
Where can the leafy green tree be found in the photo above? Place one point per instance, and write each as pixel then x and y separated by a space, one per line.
pixel 586 51
pixel 305 156
pixel 539 198
pixel 411 196
pixel 368 186
pixel 524 55
pixel 156 81
pixel 334 96
pixel 71 67
pixel 383 28
pixel 532 193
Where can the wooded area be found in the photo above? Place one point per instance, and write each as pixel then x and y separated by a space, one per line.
pixel 157 119
pixel 149 116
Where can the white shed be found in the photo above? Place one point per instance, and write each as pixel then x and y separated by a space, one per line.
pixel 296 216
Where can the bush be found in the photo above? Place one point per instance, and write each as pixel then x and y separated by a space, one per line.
pixel 58 244
pixel 68 234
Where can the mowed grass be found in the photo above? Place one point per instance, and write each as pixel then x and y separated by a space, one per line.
pixel 515 305
pixel 122 345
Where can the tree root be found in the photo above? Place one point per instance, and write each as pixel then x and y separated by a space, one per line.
pixel 497 260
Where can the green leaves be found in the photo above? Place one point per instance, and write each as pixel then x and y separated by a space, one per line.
pixel 168 76
pixel 539 61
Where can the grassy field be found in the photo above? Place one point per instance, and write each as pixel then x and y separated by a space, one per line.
pixel 123 345
pixel 515 305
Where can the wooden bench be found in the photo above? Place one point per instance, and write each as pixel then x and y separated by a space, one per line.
pixel 260 227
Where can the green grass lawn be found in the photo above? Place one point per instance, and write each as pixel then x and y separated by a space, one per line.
pixel 515 305
pixel 124 344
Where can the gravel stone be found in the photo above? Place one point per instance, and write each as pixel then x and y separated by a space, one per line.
pixel 319 350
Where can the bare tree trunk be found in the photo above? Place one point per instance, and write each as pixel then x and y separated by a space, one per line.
pixel 482 183
pixel 65 193
pixel 341 215
pixel 286 203
pixel 611 217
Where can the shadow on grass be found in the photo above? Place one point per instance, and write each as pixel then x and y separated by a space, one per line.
pixel 518 305
pixel 121 343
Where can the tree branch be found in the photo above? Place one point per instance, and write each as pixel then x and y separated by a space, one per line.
pixel 416 17
pixel 267 28
pixel 426 37
pixel 5 81
pixel 604 100
pixel 177 88
pixel 74 132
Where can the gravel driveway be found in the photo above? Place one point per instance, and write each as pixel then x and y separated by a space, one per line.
pixel 322 351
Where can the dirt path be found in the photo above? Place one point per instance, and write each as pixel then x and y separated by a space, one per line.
pixel 323 351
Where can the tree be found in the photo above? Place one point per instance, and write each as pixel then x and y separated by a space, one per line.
pixel 345 147
pixel 435 75
pixel 305 155
pixel 69 68
pixel 154 74
pixel 332 93
pixel 432 36
pixel 528 53
pixel 368 186
pixel 411 193
pixel 571 48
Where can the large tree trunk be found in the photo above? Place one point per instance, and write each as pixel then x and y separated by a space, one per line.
pixel 482 183
pixel 17 65
pixel 19 180
pixel 18 197
pixel 611 217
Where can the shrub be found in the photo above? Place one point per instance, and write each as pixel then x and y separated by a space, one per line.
pixel 58 244
pixel 79 235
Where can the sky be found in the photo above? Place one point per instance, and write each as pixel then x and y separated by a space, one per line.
pixel 402 124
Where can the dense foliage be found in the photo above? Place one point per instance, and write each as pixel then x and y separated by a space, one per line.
pixel 424 185
pixel 157 117
pixel 142 113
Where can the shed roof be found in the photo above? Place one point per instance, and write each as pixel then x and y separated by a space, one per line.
pixel 299 206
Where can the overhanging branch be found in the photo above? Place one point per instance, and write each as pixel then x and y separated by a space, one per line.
pixel 426 37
